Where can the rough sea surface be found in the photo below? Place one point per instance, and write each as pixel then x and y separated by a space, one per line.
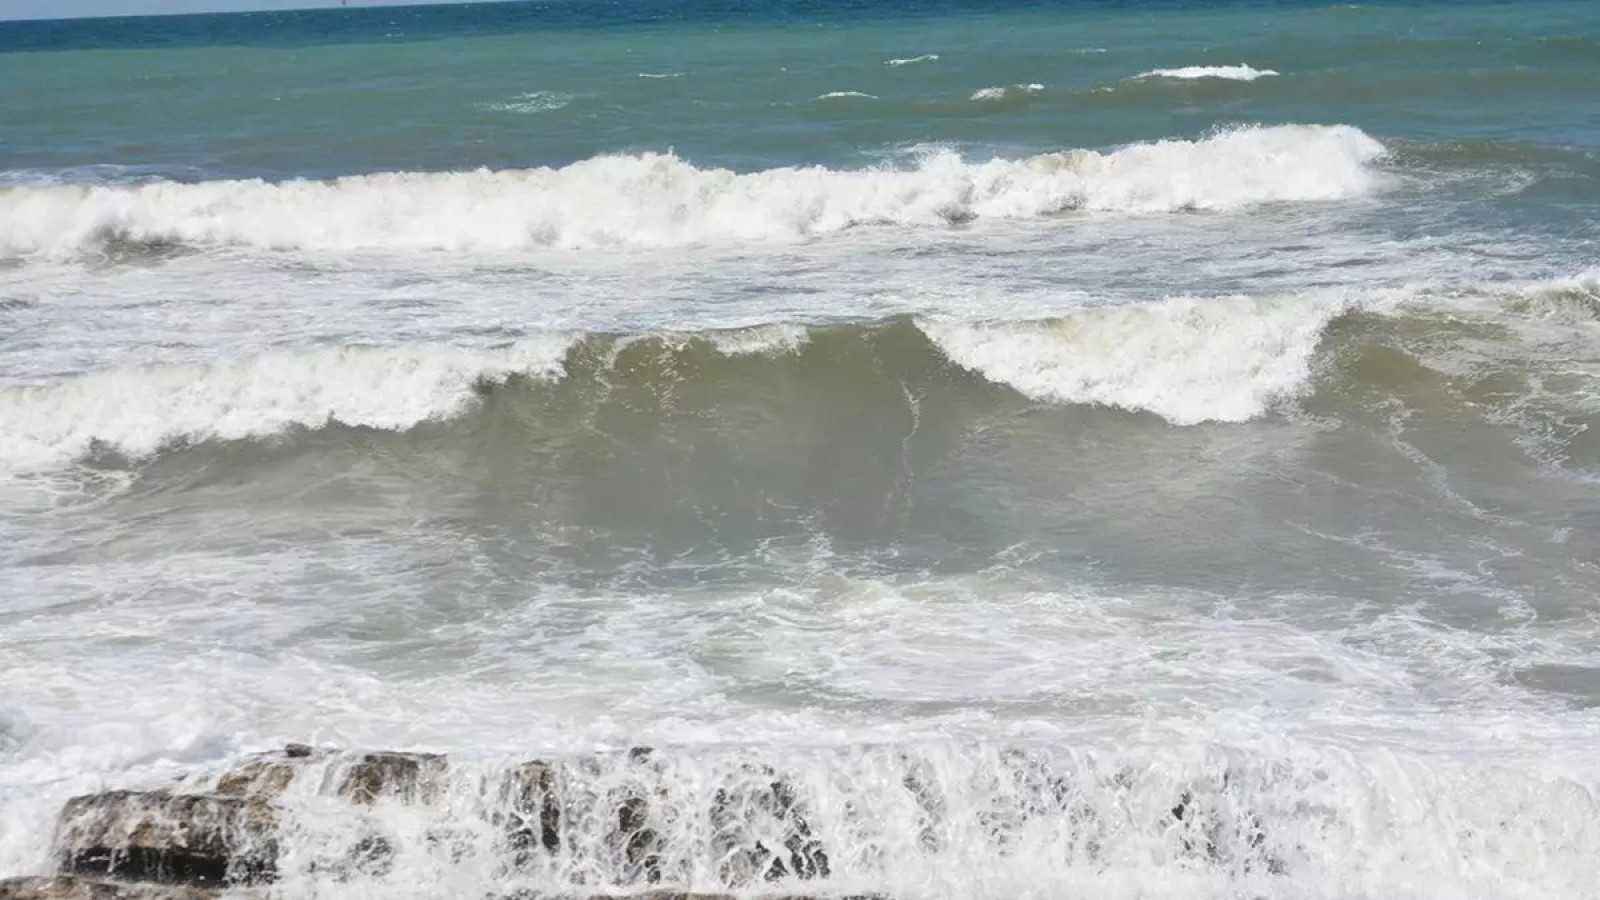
pixel 1002 418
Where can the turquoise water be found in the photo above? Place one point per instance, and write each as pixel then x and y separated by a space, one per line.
pixel 1010 421
pixel 442 88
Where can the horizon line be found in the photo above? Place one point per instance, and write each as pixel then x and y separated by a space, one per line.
pixel 306 6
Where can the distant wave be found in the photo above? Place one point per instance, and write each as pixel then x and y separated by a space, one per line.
pixel 990 94
pixel 1229 73
pixel 847 95
pixel 534 102
pixel 911 60
pixel 655 200
pixel 660 75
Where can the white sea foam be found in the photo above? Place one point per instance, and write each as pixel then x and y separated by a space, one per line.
pixel 1186 360
pixel 1289 794
pixel 138 411
pixel 759 340
pixel 661 200
pixel 913 60
pixel 991 94
pixel 1228 73
pixel 660 75
pixel 534 102
pixel 847 95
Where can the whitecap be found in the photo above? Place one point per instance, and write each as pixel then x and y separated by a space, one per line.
pixel 534 102
pixel 657 200
pixel 1227 73
pixel 992 94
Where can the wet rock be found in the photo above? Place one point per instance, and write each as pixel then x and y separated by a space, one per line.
pixel 765 805
pixel 672 895
pixel 408 777
pixel 533 816
pixel 268 774
pixel 195 839
pixel 1209 829
pixel 920 781
pixel 73 887
pixel 642 845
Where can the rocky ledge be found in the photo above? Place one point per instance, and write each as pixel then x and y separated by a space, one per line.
pixel 194 843
pixel 598 824
pixel 76 887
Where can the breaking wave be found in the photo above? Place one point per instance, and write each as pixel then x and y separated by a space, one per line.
pixel 993 94
pixel 654 200
pixel 1228 73
pixel 1185 360
pixel 534 102
pixel 913 60
pixel 1188 361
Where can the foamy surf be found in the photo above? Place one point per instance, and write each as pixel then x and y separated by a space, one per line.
pixel 942 821
pixel 534 102
pixel 136 412
pixel 1225 73
pixel 913 60
pixel 994 94
pixel 1186 360
pixel 656 200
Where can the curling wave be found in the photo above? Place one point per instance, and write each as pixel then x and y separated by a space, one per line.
pixel 1188 361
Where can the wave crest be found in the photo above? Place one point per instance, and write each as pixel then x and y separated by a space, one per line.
pixel 1226 73
pixel 996 94
pixel 137 412
pixel 656 200
pixel 1185 360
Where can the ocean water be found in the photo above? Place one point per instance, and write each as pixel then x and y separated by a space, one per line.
pixel 1003 419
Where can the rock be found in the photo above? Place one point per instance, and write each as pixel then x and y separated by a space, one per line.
pixel 764 804
pixel 268 774
pixel 259 778
pixel 409 777
pixel 533 817
pixel 73 887
pixel 670 895
pixel 196 839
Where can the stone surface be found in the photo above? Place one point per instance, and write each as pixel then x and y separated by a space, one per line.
pixel 675 895
pixel 269 774
pixel 71 887
pixel 197 839
pixel 766 804
pixel 409 777
pixel 533 817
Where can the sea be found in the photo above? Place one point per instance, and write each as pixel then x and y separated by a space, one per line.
pixel 1079 448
